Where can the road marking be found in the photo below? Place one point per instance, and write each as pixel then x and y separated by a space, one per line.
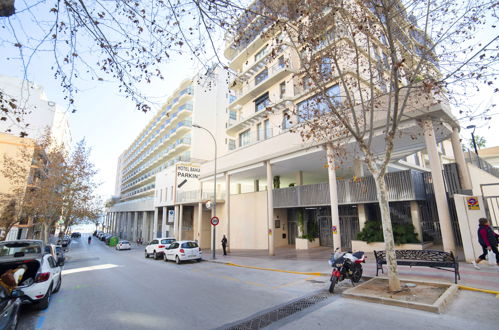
pixel 39 324
pixel 273 270
pixel 86 269
pixel 462 287
pixel 294 282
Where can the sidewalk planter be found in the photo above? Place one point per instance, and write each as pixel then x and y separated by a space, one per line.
pixel 378 246
pixel 305 244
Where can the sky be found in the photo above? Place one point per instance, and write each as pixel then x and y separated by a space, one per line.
pixel 109 122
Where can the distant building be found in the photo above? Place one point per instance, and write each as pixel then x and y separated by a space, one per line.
pixel 168 140
pixel 40 112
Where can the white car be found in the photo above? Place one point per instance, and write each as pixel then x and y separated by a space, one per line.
pixel 123 245
pixel 42 275
pixel 157 247
pixel 182 251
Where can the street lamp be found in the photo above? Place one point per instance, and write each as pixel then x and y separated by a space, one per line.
pixel 474 143
pixel 214 188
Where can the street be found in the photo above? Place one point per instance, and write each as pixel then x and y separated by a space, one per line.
pixel 108 289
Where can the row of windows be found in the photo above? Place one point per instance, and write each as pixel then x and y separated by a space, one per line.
pixel 185 140
pixel 187 106
pixel 187 90
pixel 185 123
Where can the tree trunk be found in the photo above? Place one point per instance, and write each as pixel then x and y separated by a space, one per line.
pixel 45 233
pixel 386 221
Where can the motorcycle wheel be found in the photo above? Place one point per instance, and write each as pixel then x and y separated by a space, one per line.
pixel 357 274
pixel 334 279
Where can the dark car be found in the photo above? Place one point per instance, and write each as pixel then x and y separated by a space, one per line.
pixel 10 305
pixel 75 235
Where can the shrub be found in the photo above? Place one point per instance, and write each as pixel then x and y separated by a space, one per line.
pixel 402 233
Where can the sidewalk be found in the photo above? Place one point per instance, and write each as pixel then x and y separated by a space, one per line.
pixel 316 261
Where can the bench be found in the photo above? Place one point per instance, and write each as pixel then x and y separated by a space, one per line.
pixel 425 258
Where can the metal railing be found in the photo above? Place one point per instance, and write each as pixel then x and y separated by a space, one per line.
pixel 402 186
pixel 195 196
pixel 479 162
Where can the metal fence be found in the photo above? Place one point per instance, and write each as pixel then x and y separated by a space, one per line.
pixel 474 159
pixel 402 186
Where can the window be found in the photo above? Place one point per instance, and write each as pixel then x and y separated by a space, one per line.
pixel 232 115
pixel 51 262
pixel 232 144
pixel 261 76
pixel 326 67
pixel 259 131
pixel 286 121
pixel 317 105
pixel 167 241
pixel 281 62
pixel 244 138
pixel 262 102
pixel 282 89
pixel 189 245
pixel 261 53
pixel 266 127
pixel 154 242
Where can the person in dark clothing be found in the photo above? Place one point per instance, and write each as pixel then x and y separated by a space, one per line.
pixel 488 240
pixel 224 245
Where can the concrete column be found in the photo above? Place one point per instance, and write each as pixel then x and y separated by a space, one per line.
pixel 464 174
pixel 358 169
pixel 227 208
pixel 144 235
pixel 200 223
pixel 270 209
pixel 256 185
pixel 180 220
pixel 155 223
pixel 135 225
pixel 115 225
pixel 175 224
pixel 163 222
pixel 416 219
pixel 238 188
pixel 333 192
pixel 299 178
pixel 439 188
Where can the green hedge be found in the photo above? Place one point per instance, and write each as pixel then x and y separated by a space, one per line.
pixel 402 233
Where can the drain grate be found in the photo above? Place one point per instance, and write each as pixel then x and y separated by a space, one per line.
pixel 266 319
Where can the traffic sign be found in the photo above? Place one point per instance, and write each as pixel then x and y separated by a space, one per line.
pixel 214 221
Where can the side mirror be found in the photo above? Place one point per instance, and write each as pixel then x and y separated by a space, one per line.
pixel 17 293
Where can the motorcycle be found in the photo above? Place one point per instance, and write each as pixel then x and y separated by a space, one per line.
pixel 346 265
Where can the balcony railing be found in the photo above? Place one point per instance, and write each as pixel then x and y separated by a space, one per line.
pixel 195 196
pixel 402 186
pixel 479 162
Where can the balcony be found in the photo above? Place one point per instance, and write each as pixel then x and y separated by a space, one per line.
pixel 196 196
pixel 256 86
pixel 402 186
pixel 242 122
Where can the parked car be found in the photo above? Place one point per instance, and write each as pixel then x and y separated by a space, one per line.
pixel 43 273
pixel 75 235
pixel 182 251
pixel 123 245
pixel 10 305
pixel 157 246
pixel 57 252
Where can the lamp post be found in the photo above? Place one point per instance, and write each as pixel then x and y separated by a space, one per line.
pixel 474 144
pixel 213 244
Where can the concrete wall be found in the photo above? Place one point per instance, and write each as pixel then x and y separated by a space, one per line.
pixel 468 224
pixel 282 216
pixel 478 177
pixel 248 213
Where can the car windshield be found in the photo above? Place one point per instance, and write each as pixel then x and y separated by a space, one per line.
pixel 19 249
pixel 167 241
pixel 125 242
pixel 189 245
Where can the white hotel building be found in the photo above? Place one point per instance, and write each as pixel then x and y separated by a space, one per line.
pixel 150 163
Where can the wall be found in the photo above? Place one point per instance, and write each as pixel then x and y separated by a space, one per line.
pixel 478 177
pixel 282 216
pixel 248 214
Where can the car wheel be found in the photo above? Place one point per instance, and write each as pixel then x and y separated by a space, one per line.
pixel 155 256
pixel 164 257
pixel 198 260
pixel 177 260
pixel 146 255
pixel 58 285
pixel 45 301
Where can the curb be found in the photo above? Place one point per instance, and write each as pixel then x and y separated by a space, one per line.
pixel 460 287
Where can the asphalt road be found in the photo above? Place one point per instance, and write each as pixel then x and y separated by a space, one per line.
pixel 107 289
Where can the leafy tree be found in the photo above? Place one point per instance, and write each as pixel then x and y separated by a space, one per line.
pixel 8 218
pixel 480 141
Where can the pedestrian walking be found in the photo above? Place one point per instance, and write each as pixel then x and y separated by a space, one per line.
pixel 89 239
pixel 488 239
pixel 224 245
